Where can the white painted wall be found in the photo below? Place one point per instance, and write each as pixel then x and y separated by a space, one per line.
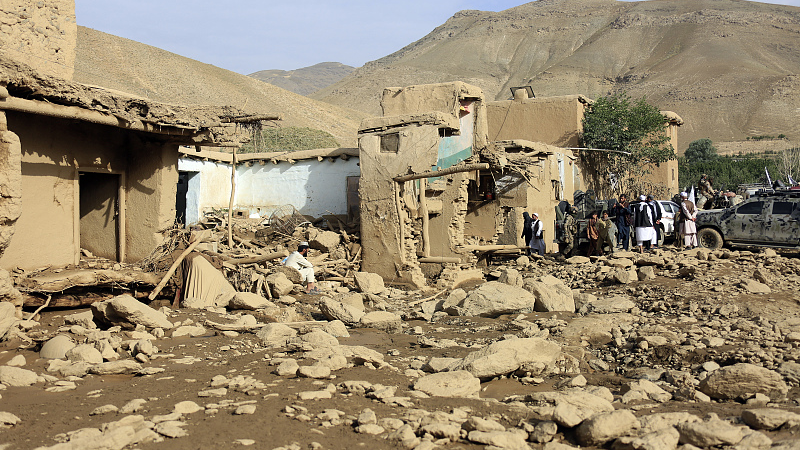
pixel 313 187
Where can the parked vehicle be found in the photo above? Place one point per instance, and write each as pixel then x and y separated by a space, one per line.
pixel 667 226
pixel 586 203
pixel 766 219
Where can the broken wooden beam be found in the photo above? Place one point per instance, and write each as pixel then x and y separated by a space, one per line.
pixel 439 259
pixel 442 172
pixel 490 248
pixel 262 258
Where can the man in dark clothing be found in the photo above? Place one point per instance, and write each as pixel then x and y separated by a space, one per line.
pixel 527 231
pixel 657 211
pixel 623 220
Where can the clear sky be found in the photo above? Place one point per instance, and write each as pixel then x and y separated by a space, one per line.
pixel 250 35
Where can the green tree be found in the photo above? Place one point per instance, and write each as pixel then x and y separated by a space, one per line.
pixel 700 150
pixel 633 135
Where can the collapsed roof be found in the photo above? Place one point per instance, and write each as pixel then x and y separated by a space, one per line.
pixel 23 89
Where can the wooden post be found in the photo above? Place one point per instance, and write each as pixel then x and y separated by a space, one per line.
pixel 198 239
pixel 400 222
pixel 230 203
pixel 423 211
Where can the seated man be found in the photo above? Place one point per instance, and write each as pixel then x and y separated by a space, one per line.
pixel 298 261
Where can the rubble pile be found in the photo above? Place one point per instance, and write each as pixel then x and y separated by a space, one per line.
pixel 662 350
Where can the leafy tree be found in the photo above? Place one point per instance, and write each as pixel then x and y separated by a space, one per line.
pixel 701 150
pixel 728 172
pixel 633 135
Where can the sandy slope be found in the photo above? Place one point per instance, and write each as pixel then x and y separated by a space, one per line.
pixel 129 66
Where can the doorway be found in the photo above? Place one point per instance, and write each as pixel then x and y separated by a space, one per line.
pixel 187 205
pixel 99 214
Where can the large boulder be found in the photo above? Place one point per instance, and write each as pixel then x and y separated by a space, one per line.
pixel 608 305
pixel 493 299
pixel 275 334
pixel 369 283
pixel 570 407
pixel 551 294
pixel 503 357
pixel 85 352
pixel 16 376
pixel 126 309
pixel 249 301
pixel 604 427
pixel 734 381
pixel 279 284
pixel 334 310
pixel 382 320
pixel 459 383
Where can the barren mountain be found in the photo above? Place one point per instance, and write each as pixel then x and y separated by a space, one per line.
pixel 306 80
pixel 729 68
pixel 125 65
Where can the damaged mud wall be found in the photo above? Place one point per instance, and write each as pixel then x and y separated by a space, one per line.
pixel 42 34
pixel 10 182
pixel 388 246
pixel 54 152
pixel 551 120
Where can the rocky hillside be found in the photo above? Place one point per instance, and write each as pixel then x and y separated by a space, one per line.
pixel 121 64
pixel 727 67
pixel 306 80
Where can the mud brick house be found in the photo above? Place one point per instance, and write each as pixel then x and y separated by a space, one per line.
pixel 84 168
pixel 316 182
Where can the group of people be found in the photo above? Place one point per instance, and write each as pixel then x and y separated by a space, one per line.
pixel 644 217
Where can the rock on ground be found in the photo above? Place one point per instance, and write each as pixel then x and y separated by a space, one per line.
pixel 382 320
pixel 507 356
pixel 57 347
pixel 604 427
pixel 459 383
pixel 494 298
pixel 125 308
pixel 15 376
pixel 249 301
pixel 551 294
pixel 734 381
pixel 334 310
pixel 369 283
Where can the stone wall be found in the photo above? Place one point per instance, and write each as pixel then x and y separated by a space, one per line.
pixel 42 34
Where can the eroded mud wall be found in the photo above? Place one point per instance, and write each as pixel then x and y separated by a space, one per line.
pixel 383 251
pixel 10 182
pixel 41 34
pixel 53 152
pixel 552 120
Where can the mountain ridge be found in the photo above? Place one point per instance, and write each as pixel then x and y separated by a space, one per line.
pixel 306 80
pixel 727 67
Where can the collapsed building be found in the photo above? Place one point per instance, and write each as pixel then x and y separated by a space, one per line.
pixel 446 176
